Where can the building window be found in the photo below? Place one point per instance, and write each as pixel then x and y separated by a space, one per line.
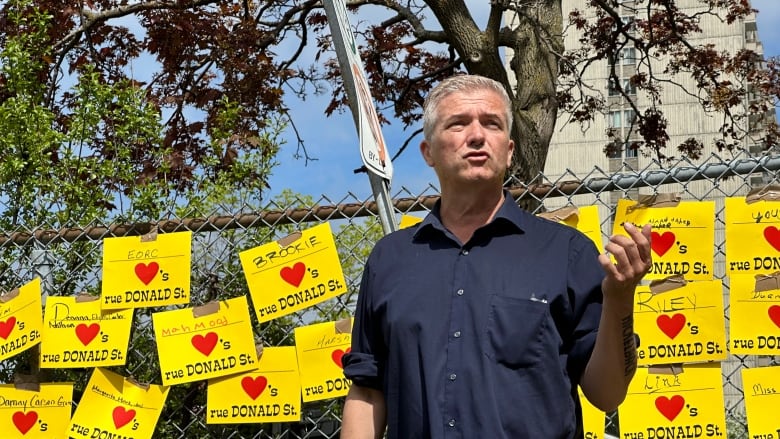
pixel 629 116
pixel 628 56
pixel 622 151
pixel 614 119
pixel 629 21
pixel 625 83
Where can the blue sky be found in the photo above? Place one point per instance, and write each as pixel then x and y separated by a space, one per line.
pixel 333 141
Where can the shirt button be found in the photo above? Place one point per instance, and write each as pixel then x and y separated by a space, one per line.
pixel 451 423
pixel 453 376
pixel 456 334
pixel 460 292
pixel 464 252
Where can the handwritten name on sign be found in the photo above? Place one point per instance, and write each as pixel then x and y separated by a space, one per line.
pixel 114 407
pixel 79 334
pixel 762 398
pixel 270 393
pixel 320 349
pixel 680 325
pixel 140 272
pixel 755 318
pixel 211 345
pixel 284 278
pixel 592 418
pixel 752 236
pixel 665 404
pixel 20 319
pixel 42 413
pixel 682 238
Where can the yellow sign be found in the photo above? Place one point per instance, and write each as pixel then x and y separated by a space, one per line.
pixel 592 418
pixel 762 398
pixel 205 342
pixel 585 219
pixel 20 319
pixel 754 318
pixel 752 236
pixel 665 403
pixel 289 275
pixel 76 333
pixel 680 325
pixel 683 236
pixel 320 348
pixel 143 272
pixel 35 414
pixel 114 407
pixel 409 221
pixel 270 393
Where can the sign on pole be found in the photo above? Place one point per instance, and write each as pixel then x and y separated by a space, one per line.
pixel 372 145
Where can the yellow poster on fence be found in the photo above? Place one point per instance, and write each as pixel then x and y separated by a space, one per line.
pixel 593 419
pixel 21 322
pixel 683 235
pixel 77 333
pixel 409 221
pixel 270 393
pixel 205 342
pixel 762 398
pixel 752 236
pixel 667 403
pixel 680 322
pixel 754 315
pixel 113 406
pixel 293 273
pixel 585 219
pixel 320 348
pixel 35 414
pixel 150 270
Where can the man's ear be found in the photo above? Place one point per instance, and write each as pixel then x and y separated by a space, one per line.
pixel 511 153
pixel 425 150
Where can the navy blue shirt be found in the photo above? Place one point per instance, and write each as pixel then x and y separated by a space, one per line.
pixel 482 340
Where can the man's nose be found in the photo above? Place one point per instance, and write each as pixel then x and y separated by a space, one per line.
pixel 475 135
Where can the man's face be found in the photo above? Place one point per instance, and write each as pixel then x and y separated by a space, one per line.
pixel 470 141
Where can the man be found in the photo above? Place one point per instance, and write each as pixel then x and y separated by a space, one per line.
pixel 481 321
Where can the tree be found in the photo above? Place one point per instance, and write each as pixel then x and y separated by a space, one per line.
pixel 251 53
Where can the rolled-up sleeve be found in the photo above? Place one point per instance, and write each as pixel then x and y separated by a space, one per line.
pixel 363 363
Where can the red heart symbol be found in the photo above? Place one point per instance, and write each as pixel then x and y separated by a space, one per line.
pixel 146 272
pixel 772 236
pixel 774 314
pixel 670 407
pixel 24 422
pixel 122 416
pixel 254 386
pixel 205 344
pixel 87 333
pixel 671 326
pixel 661 243
pixel 294 275
pixel 336 356
pixel 7 326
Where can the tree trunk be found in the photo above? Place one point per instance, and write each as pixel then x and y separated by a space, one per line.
pixel 536 40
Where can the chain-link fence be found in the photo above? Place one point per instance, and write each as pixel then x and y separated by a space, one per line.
pixel 68 262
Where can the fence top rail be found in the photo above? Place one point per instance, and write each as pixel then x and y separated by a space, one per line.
pixel 269 218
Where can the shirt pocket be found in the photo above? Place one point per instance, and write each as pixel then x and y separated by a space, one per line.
pixel 515 330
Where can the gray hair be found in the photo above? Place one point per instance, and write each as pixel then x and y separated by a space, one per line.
pixel 457 84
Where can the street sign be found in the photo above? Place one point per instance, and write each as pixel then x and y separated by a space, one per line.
pixel 372 144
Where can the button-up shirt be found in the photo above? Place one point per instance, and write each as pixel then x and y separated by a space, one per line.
pixel 486 339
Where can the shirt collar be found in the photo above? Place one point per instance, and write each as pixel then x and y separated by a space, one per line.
pixel 509 213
